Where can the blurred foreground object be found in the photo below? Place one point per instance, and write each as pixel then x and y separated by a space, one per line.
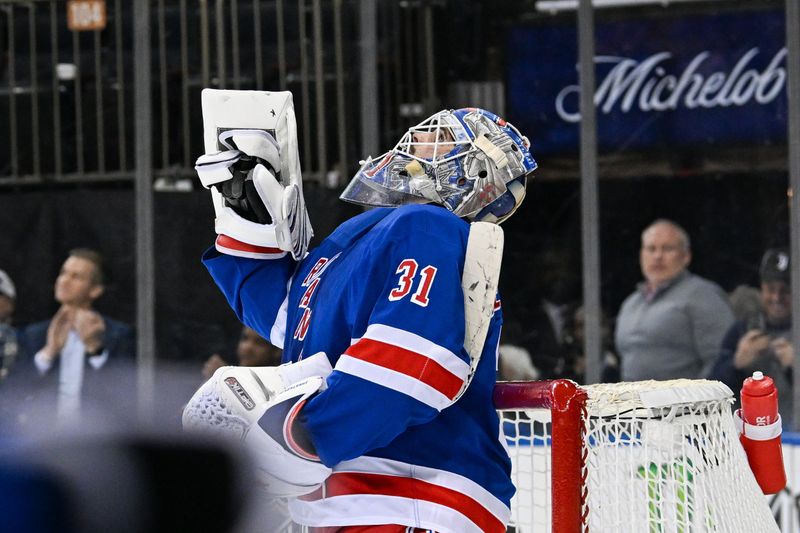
pixel 126 484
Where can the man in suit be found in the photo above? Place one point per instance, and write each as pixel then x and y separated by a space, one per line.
pixel 79 356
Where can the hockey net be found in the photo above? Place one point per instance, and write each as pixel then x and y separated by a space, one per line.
pixel 644 457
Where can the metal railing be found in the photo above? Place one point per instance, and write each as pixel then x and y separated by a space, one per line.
pixel 68 96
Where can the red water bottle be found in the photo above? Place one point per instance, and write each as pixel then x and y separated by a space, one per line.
pixel 760 432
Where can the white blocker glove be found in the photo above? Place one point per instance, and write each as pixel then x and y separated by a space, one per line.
pixel 283 453
pixel 252 405
pixel 260 210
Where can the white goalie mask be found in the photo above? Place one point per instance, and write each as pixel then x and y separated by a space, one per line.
pixel 468 160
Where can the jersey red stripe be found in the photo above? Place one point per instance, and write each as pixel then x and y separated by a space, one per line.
pixel 357 483
pixel 232 244
pixel 410 363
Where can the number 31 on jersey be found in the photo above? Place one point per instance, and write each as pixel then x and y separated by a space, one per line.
pixel 407 270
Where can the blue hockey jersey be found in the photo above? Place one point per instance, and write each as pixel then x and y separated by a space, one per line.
pixel 382 297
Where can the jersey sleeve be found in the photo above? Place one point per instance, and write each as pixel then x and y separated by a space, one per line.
pixel 409 363
pixel 255 289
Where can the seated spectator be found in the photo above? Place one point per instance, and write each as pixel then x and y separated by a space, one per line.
pixel 764 342
pixel 8 297
pixel 251 350
pixel 535 313
pixel 745 302
pixel 75 356
pixel 533 341
pixel 672 325
pixel 574 365
pixel 514 364
pixel 8 335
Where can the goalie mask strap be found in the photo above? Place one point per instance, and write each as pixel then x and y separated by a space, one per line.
pixel 494 152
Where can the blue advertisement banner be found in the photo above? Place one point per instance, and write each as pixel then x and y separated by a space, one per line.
pixel 717 79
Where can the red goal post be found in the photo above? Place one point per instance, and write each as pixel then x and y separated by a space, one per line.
pixel 566 403
pixel 650 457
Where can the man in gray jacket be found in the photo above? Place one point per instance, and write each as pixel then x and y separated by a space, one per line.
pixel 673 324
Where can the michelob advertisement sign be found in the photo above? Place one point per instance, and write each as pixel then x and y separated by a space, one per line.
pixel 717 79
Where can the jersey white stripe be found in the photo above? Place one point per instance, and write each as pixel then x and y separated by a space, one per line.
pixel 443 478
pixel 393 380
pixel 337 510
pixel 375 509
pixel 421 345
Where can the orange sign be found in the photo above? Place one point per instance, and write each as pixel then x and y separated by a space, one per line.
pixel 86 15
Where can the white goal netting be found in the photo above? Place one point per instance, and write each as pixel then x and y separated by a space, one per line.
pixel 658 457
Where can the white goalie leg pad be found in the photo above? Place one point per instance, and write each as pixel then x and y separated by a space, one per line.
pixel 286 462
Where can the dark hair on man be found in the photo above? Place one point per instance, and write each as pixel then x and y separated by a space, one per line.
pixel 94 257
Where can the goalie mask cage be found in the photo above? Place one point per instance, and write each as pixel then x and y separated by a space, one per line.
pixel 643 457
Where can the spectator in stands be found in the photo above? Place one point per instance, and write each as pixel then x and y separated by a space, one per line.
pixel 515 361
pixel 79 355
pixel 764 343
pixel 672 325
pixel 8 335
pixel 537 315
pixel 251 350
pixel 574 365
pixel 745 302
pixel 8 297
